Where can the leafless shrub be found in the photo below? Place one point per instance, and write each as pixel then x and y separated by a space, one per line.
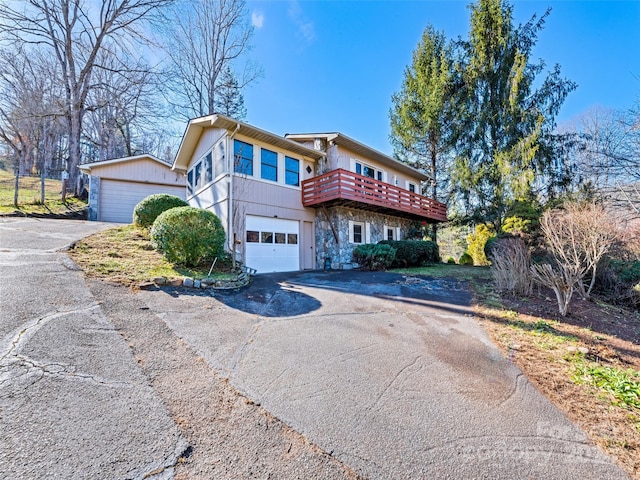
pixel 510 265
pixel 579 235
pixel 562 281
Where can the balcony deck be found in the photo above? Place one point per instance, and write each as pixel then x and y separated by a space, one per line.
pixel 344 188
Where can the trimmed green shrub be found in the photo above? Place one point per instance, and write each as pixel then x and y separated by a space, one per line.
pixel 451 261
pixel 188 235
pixel 373 256
pixel 413 253
pixel 148 209
pixel 465 259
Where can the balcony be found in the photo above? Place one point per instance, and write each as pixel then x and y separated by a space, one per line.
pixel 348 189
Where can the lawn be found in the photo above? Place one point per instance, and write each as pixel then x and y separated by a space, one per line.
pixel 29 196
pixel 587 363
pixel 125 255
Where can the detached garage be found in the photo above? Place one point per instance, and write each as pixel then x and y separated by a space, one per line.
pixel 116 186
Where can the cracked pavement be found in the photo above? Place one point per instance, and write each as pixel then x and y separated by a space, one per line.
pixel 390 375
pixel 73 402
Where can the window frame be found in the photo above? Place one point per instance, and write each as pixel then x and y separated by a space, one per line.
pixel 268 166
pixel 287 171
pixel 241 160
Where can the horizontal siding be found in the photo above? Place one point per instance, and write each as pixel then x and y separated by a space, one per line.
pixel 265 199
pixel 208 138
pixel 144 170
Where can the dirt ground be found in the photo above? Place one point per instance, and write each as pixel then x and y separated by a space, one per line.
pixel 229 436
pixel 546 347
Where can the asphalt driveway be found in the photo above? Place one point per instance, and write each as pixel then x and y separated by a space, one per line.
pixel 73 401
pixel 391 375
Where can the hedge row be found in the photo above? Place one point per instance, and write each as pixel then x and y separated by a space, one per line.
pixel 396 253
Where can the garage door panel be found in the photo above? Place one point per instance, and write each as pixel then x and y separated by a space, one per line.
pixel 272 244
pixel 118 199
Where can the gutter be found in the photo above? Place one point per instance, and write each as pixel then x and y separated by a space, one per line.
pixel 230 159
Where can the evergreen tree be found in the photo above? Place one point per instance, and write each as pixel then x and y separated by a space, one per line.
pixel 503 123
pixel 421 110
pixel 229 100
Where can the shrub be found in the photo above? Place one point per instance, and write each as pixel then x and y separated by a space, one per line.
pixel 413 253
pixel 451 261
pixel 188 235
pixel 477 241
pixel 146 212
pixel 374 256
pixel 465 259
pixel 511 265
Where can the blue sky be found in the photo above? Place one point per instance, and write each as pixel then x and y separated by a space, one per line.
pixel 333 65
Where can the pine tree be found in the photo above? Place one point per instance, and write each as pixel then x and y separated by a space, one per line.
pixel 229 100
pixel 421 110
pixel 503 123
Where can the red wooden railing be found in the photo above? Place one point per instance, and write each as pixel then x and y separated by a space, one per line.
pixel 343 185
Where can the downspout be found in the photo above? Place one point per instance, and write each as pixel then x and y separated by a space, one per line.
pixel 230 158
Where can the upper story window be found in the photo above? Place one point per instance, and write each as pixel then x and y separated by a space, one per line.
pixel 291 171
pixel 269 165
pixel 243 157
pixel 412 187
pixel 369 171
pixel 200 174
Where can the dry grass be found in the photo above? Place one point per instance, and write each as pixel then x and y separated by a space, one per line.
pixel 29 196
pixel 125 255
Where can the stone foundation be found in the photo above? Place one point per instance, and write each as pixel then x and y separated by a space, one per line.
pixel 339 253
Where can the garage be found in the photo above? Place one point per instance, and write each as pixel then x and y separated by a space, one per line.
pixel 118 198
pixel 272 244
pixel 116 186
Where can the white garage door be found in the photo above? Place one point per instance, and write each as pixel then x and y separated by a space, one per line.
pixel 272 244
pixel 118 199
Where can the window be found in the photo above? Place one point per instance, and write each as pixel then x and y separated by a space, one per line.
pixel 357 233
pixel 219 164
pixel 281 237
pixel 253 236
pixel 368 171
pixel 411 187
pixel 243 155
pixel 291 171
pixel 190 182
pixel 390 233
pixel 269 165
pixel 208 168
pixel 266 237
pixel 292 238
pixel 197 176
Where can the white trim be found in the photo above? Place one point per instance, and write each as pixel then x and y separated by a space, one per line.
pixel 367 232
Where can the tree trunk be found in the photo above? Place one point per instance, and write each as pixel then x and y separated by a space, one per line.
pixel 16 185
pixel 75 153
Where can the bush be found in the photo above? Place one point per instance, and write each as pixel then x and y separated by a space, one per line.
pixel 146 212
pixel 413 253
pixel 188 235
pixel 477 241
pixel 511 265
pixel 374 256
pixel 451 261
pixel 465 259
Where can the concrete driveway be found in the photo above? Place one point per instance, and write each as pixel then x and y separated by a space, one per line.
pixel 73 402
pixel 391 375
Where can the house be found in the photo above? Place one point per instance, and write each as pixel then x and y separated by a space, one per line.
pixel 299 201
pixel 117 185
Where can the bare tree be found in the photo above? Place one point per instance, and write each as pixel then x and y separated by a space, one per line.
pixel 578 236
pixel 75 32
pixel 209 37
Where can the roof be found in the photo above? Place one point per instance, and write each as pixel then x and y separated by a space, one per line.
pixel 349 143
pixel 197 125
pixel 87 167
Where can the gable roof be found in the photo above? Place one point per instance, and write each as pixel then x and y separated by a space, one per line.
pixel 87 167
pixel 197 125
pixel 349 143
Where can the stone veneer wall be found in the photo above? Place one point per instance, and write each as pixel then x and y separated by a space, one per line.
pixel 340 253
pixel 94 195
